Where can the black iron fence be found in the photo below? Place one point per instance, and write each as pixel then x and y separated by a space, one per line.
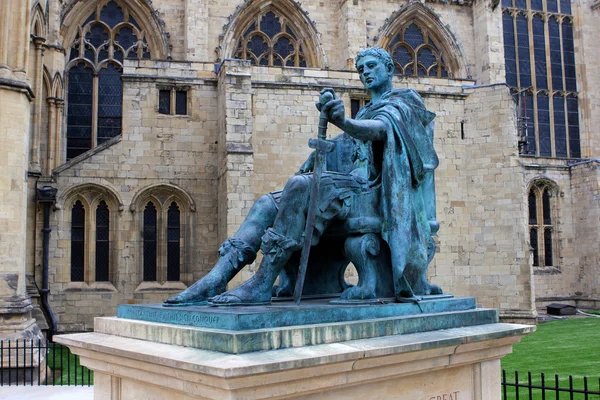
pixel 40 362
pixel 552 388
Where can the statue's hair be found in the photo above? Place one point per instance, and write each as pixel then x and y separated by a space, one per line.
pixel 375 52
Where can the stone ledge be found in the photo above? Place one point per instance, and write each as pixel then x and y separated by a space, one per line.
pixel 355 369
pixel 237 342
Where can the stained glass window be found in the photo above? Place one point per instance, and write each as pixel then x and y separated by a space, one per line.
pixel 95 61
pixel 415 53
pixel 541 226
pixel 164 101
pixel 548 87
pixel 180 102
pixel 102 242
pixel 270 40
pixel 173 242
pixel 77 242
pixel 149 238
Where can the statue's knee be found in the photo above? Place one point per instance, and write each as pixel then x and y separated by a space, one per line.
pixel 264 205
pixel 296 185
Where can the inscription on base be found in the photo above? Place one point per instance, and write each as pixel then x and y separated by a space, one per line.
pixel 445 396
pixel 181 318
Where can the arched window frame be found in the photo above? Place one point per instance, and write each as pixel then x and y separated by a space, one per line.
pixel 295 17
pixel 91 195
pixel 436 69
pixel 162 196
pixel 100 60
pixel 429 22
pixel 538 225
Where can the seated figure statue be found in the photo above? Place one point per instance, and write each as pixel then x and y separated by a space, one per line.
pixel 384 189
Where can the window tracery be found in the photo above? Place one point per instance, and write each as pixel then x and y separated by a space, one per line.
pixel 103 41
pixel 270 40
pixel 415 52
pixel 540 69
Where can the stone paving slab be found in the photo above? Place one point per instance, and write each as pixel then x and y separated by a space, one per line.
pixel 47 393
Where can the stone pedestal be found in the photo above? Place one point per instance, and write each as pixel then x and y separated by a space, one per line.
pixel 351 359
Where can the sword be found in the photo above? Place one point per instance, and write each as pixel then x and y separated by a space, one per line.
pixel 322 147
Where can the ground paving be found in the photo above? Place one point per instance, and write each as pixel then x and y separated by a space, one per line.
pixel 47 393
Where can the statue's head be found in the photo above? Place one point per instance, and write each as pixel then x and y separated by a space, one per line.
pixel 377 52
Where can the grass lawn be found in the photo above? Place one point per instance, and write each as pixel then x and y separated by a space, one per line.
pixel 65 371
pixel 562 347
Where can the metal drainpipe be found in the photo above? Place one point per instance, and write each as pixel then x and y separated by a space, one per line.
pixel 47 197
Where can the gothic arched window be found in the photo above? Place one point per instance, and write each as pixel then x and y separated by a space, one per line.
pixel 541 224
pixel 77 242
pixel 270 40
pixel 102 241
pixel 173 242
pixel 543 74
pixel 150 242
pixel 108 36
pixel 415 53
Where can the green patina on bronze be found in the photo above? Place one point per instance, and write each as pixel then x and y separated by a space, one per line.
pixel 375 208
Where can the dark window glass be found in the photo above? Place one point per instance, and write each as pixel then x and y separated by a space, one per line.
pixel 102 243
pixel 149 237
pixel 413 55
pixel 126 38
pixel 354 107
pixel 413 36
pixel 533 241
pixel 548 247
pixel 523 51
pixel 573 120
pixel 164 101
pixel 173 242
pixel 544 125
pixel 77 242
pixel 552 5
pixel 506 3
pixel 565 6
pixel 97 35
pixel 569 55
pixel 536 5
pixel 79 111
pixel 546 207
pixel 110 101
pixel 111 14
pixel 522 4
pixel 539 46
pixel 560 126
pixel 181 102
pixel 532 208
pixel 555 54
pixel 509 49
pixel 529 123
pixel 270 25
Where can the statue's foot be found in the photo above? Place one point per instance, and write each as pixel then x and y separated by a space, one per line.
pixel 198 293
pixel 424 288
pixel 357 293
pixel 255 291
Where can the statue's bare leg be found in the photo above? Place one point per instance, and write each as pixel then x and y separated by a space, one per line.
pixel 234 254
pixel 279 243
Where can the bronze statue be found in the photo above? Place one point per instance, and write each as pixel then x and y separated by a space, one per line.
pixel 375 207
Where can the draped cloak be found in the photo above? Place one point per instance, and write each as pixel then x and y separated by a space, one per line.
pixel 407 161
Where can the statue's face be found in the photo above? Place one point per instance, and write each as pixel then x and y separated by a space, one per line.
pixel 373 72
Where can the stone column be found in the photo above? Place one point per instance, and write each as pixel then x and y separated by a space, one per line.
pixel 352 32
pixel 235 154
pixel 15 97
pixel 489 43
pixel 196 34
pixel 36 112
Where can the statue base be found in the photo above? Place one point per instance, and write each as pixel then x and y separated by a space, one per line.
pixel 448 355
